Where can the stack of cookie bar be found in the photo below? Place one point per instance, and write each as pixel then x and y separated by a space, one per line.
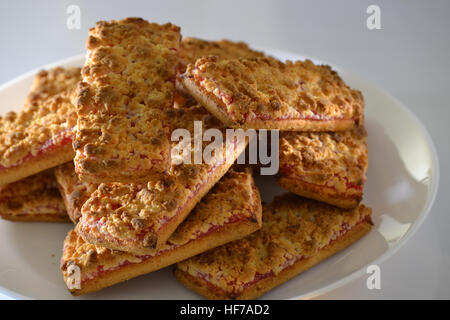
pixel 102 136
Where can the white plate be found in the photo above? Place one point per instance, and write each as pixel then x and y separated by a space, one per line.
pixel 401 186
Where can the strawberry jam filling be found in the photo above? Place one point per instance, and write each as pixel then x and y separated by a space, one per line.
pixel 48 146
pixel 315 117
pixel 42 210
pixel 287 171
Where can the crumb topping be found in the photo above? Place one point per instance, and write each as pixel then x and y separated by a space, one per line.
pixel 234 197
pixel 74 192
pixel 128 80
pixel 34 195
pixel 192 49
pixel 39 182
pixel 47 119
pixel 333 159
pixel 293 228
pixel 268 89
pixel 134 214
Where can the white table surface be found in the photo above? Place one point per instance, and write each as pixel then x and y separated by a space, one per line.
pixel 408 57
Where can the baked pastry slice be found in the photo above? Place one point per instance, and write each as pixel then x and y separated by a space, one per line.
pixel 128 80
pixel 296 234
pixel 192 49
pixel 231 210
pixel 35 198
pixel 73 191
pixel 326 166
pixel 267 93
pixel 40 135
pixel 139 217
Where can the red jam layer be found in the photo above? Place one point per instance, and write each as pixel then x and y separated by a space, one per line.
pixel 46 147
pixel 287 171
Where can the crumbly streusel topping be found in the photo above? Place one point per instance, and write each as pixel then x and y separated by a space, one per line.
pixel 192 49
pixel 133 214
pixel 45 203
pixel 333 159
pixel 33 195
pixel 268 89
pixel 74 192
pixel 293 228
pixel 36 183
pixel 234 196
pixel 47 118
pixel 128 79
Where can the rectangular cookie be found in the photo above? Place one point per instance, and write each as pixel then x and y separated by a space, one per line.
pixel 139 217
pixel 230 211
pixel 74 192
pixel 192 49
pixel 127 81
pixel 264 93
pixel 326 166
pixel 297 233
pixel 40 135
pixel 35 198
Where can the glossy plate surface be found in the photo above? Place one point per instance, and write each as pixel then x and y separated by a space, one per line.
pixel 402 182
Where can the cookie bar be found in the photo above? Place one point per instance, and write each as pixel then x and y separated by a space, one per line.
pixel 73 191
pixel 326 166
pixel 34 198
pixel 264 93
pixel 230 211
pixel 192 49
pixel 296 234
pixel 40 135
pixel 140 217
pixel 127 81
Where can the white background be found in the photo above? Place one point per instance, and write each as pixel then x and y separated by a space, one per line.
pixel 409 58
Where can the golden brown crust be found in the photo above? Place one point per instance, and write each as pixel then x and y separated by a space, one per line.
pixel 35 198
pixel 34 218
pixel 326 166
pixel 128 80
pixel 73 191
pixel 140 217
pixel 42 181
pixel 294 230
pixel 46 160
pixel 231 210
pixel 209 291
pixel 37 137
pixel 264 92
pixel 192 49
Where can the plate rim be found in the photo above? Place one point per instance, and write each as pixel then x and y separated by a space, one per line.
pixel 435 178
pixel 425 212
pixel 435 168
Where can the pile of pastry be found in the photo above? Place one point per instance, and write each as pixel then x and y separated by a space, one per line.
pixel 94 146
